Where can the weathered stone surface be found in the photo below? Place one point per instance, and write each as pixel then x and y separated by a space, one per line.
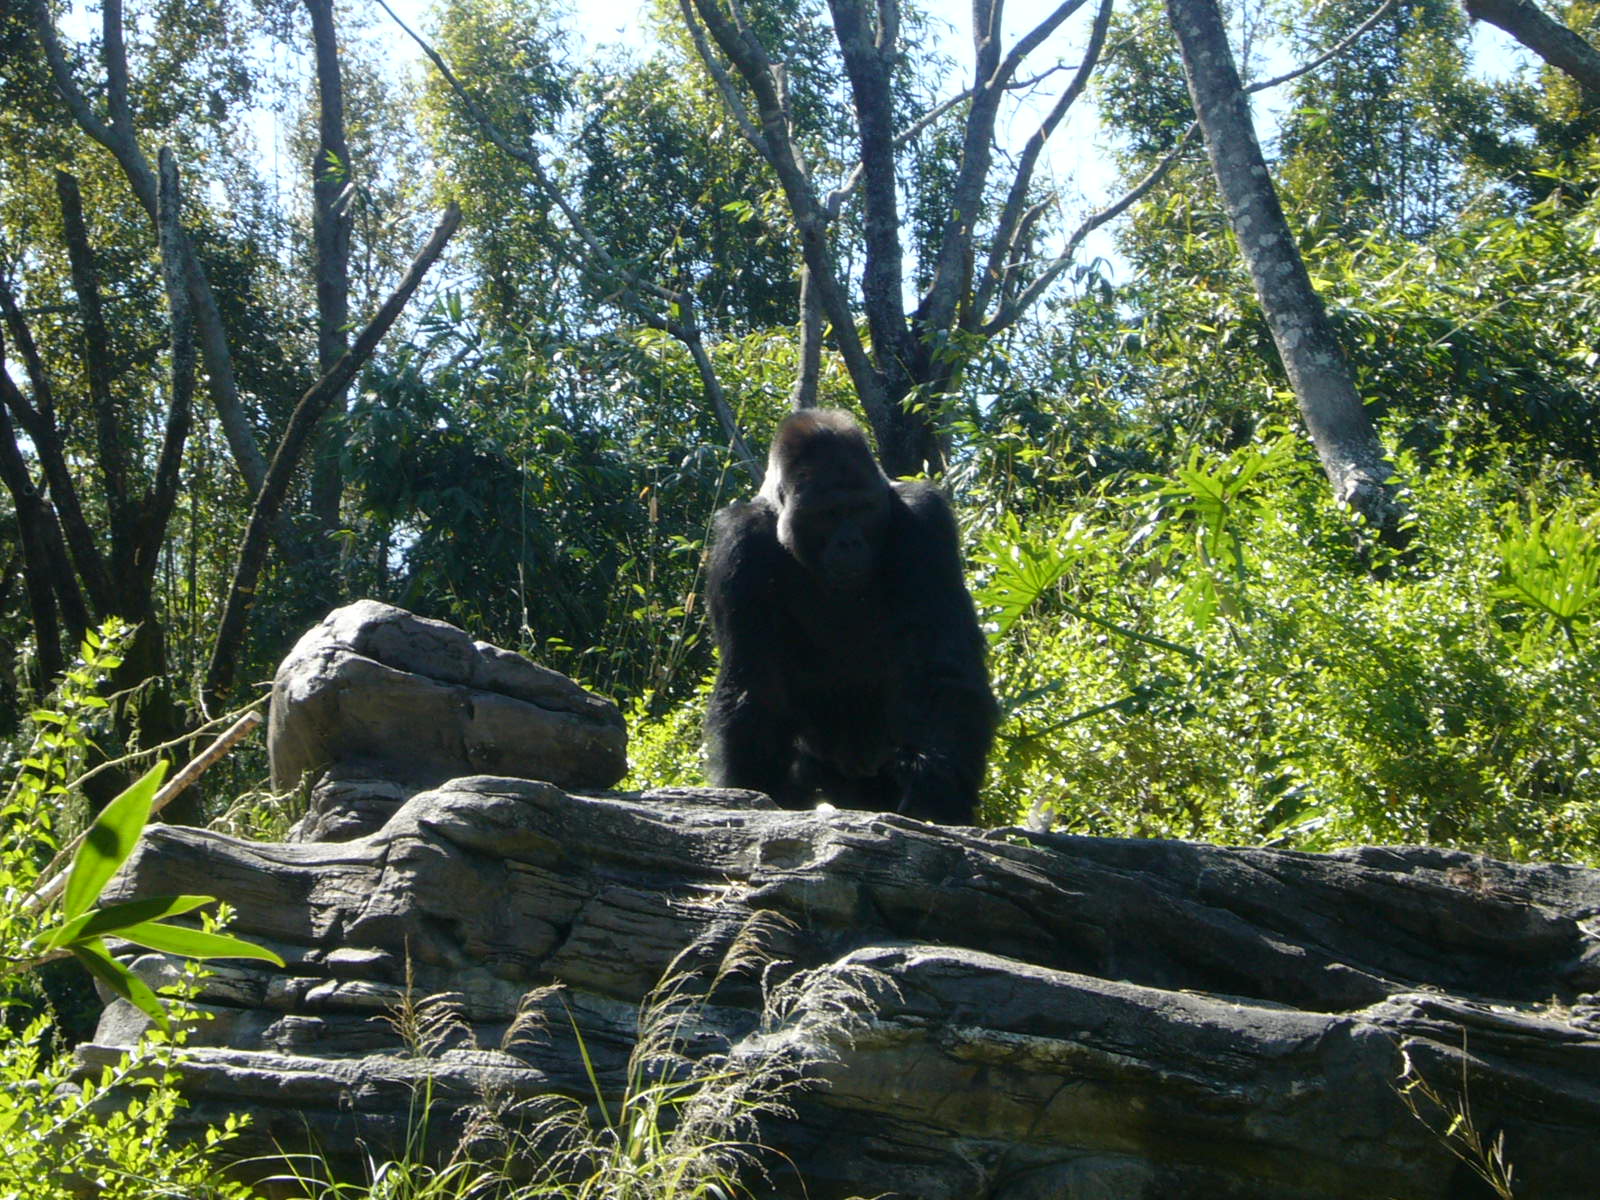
pixel 391 695
pixel 1073 1017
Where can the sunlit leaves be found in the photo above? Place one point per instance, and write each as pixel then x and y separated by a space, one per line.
pixel 110 840
pixel 1551 564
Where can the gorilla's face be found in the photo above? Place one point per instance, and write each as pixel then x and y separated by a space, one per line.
pixel 833 508
pixel 836 532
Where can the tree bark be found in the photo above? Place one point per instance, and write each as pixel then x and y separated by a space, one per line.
pixel 111 439
pixel 1552 41
pixel 332 184
pixel 1340 429
pixel 808 375
pixel 36 572
pixel 162 496
pixel 38 422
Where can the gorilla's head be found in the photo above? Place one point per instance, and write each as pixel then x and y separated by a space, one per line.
pixel 831 497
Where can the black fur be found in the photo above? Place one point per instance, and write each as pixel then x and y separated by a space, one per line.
pixel 852 665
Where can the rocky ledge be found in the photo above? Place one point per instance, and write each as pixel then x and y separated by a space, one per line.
pixel 1053 1017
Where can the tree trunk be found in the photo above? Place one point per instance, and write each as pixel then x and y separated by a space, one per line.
pixel 1548 38
pixel 330 220
pixel 36 573
pixel 1340 428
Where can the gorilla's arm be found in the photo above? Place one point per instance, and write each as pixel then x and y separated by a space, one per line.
pixel 947 713
pixel 749 732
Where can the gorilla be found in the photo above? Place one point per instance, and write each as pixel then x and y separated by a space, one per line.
pixel 852 665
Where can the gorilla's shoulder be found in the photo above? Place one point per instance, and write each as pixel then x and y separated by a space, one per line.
pixel 926 503
pixel 745 516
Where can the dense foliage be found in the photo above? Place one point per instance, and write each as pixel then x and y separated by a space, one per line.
pixel 1188 636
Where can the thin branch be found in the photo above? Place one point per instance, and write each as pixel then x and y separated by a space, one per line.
pixel 690 337
pixel 163 493
pixel 116 59
pixel 724 83
pixel 1032 40
pixel 253 550
pixel 1344 44
pixel 833 202
pixel 1016 221
pixel 1010 311
pixel 122 143
pixel 192 770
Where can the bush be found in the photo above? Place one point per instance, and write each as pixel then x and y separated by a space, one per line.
pixel 1220 658
pixel 67 1132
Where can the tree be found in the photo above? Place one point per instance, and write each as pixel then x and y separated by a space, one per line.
pixel 93 554
pixel 1558 44
pixel 1382 137
pixel 332 189
pixel 911 359
pixel 982 255
pixel 1345 440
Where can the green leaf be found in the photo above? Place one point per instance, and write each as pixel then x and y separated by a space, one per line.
pixel 109 842
pixel 120 980
pixel 194 943
pixel 98 922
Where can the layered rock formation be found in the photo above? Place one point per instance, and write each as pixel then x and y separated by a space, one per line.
pixel 1062 1017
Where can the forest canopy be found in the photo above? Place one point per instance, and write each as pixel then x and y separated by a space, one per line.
pixel 1254 344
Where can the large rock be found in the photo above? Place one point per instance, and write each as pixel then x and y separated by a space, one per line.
pixel 1069 1017
pixel 383 694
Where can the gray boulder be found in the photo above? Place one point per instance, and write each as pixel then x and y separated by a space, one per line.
pixel 1063 1017
pixel 404 702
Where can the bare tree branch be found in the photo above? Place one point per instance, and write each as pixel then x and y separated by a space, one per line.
pixel 750 60
pixel 1032 40
pixel 38 421
pixel 689 335
pixel 724 83
pixel 1002 272
pixel 1552 41
pixel 253 550
pixel 1012 310
pixel 1354 36
pixel 163 492
pixel 833 202
pixel 120 140
pixel 1012 231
